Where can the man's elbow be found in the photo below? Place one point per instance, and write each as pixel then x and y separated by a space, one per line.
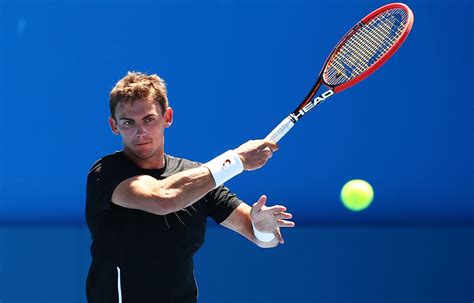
pixel 164 203
pixel 137 194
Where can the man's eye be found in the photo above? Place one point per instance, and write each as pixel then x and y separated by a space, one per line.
pixel 127 123
pixel 147 120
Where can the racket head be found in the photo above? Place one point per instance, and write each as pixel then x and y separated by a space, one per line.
pixel 367 46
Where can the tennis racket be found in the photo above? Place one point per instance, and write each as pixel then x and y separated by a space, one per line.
pixel 365 48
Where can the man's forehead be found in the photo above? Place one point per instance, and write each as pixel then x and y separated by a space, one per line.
pixel 137 109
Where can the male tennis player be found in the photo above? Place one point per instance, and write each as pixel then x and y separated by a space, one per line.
pixel 147 210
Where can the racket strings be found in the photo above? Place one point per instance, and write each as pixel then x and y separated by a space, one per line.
pixel 375 38
pixel 366 46
pixel 371 40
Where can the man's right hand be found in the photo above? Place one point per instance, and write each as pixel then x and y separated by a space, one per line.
pixel 255 153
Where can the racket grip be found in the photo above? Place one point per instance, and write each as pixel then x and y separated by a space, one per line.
pixel 278 132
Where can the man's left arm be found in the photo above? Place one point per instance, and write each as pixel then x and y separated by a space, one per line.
pixel 265 219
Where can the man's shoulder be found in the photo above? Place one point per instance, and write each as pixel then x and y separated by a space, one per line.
pixel 176 164
pixel 110 160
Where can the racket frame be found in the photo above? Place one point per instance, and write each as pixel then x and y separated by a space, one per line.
pixel 309 102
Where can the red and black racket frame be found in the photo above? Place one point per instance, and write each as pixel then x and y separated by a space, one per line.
pixel 310 101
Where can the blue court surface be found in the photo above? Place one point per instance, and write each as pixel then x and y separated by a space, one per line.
pixel 332 264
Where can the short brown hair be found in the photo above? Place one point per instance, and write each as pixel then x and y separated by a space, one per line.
pixel 135 86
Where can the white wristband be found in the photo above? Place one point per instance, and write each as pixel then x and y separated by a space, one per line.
pixel 264 237
pixel 225 167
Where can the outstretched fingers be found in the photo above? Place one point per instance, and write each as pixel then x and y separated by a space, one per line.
pixel 278 235
pixel 276 209
pixel 285 223
pixel 257 206
pixel 282 215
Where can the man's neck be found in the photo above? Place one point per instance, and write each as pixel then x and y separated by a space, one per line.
pixel 155 162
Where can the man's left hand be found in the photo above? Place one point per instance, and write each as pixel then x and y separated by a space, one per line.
pixel 270 219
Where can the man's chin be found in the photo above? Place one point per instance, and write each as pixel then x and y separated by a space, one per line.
pixel 144 155
pixel 141 152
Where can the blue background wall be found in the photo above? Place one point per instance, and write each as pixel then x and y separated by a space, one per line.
pixel 234 70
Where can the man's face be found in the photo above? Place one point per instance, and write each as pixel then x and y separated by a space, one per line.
pixel 141 126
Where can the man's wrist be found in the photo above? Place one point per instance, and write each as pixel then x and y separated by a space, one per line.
pixel 242 159
pixel 264 237
pixel 225 167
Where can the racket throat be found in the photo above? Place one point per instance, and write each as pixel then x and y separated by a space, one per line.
pixel 295 116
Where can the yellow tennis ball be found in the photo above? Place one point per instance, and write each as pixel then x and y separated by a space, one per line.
pixel 357 195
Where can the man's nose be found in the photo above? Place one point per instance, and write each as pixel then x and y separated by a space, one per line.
pixel 141 132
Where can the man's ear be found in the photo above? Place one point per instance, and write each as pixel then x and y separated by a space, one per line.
pixel 168 116
pixel 113 126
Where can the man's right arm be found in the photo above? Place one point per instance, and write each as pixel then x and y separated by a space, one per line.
pixel 180 190
pixel 165 196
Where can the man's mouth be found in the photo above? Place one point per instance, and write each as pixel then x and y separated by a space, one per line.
pixel 143 143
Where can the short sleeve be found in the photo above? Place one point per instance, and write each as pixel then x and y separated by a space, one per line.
pixel 101 184
pixel 221 203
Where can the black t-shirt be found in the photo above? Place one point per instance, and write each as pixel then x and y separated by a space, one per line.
pixel 138 256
